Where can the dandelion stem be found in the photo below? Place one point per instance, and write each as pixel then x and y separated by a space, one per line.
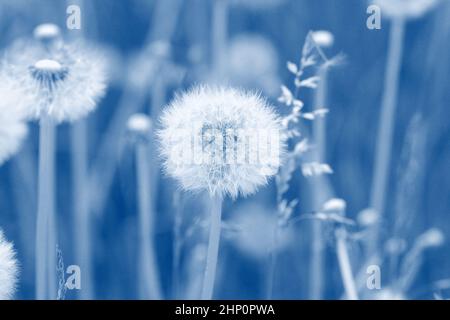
pixel 149 286
pixel 345 266
pixel 45 227
pixel 82 223
pixel 386 125
pixel 177 242
pixel 213 248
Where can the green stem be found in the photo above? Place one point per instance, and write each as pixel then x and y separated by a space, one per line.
pixel 149 286
pixel 45 226
pixel 213 248
pixel 386 127
pixel 345 266
pixel 83 234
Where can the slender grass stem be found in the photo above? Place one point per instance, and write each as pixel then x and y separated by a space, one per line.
pixel 345 266
pixel 45 231
pixel 82 223
pixel 272 264
pixel 317 244
pixel 386 126
pixel 213 248
pixel 149 286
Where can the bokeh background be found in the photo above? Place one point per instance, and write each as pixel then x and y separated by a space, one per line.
pixel 158 47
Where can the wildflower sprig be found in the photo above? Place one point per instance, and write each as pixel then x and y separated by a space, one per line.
pixel 305 76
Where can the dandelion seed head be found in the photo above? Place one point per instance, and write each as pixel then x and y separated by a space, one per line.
pixel 213 139
pixel 405 8
pixel 47 32
pixel 323 38
pixel 64 83
pixel 368 217
pixel 139 123
pixel 253 63
pixel 12 127
pixel 334 205
pixel 395 246
pixel 8 269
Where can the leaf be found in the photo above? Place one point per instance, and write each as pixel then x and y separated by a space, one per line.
pixel 321 112
pixel 301 147
pixel 311 82
pixel 298 104
pixel 308 116
pixel 292 67
pixel 286 96
pixel 315 169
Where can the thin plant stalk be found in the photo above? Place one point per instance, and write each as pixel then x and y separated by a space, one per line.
pixel 82 223
pixel 149 286
pixel 165 18
pixel 345 266
pixel 272 263
pixel 213 248
pixel 46 207
pixel 82 218
pixel 386 125
pixel 317 244
pixel 177 242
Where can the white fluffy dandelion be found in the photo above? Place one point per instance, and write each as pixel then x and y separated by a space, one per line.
pixel 8 269
pixel 222 140
pixel 12 128
pixel 408 9
pixel 64 82
pixel 56 82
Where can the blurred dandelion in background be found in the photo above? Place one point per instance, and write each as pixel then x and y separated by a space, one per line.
pixel 254 226
pixel 13 129
pixel 252 63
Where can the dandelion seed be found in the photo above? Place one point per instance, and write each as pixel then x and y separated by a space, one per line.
pixel 8 269
pixel 213 114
